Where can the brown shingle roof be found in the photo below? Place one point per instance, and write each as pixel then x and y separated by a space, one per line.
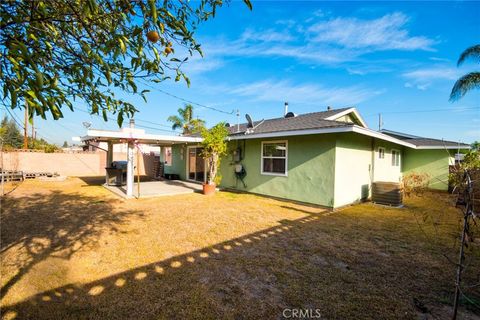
pixel 314 120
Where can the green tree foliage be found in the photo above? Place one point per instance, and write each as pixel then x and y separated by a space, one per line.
pixel 185 120
pixel 56 52
pixel 470 162
pixel 475 146
pixel 469 81
pixel 43 145
pixel 10 134
pixel 65 144
pixel 214 146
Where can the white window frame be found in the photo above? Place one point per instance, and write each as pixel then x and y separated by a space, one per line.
pixel 286 159
pixel 165 156
pixel 383 153
pixel 399 158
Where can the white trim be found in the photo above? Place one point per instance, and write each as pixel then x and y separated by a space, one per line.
pixel 345 112
pixel 399 158
pixel 381 136
pixel 286 159
pixel 106 135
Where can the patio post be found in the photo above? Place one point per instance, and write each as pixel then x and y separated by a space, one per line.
pixel 109 158
pixel 109 154
pixel 130 173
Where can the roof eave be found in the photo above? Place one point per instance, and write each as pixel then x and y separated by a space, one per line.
pixel 462 147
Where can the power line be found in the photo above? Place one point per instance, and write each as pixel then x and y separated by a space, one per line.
pixel 138 125
pixel 43 136
pixel 422 111
pixel 186 100
pixel 13 117
pixel 154 123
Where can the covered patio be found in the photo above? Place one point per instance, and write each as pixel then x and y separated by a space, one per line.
pixel 134 138
pixel 150 189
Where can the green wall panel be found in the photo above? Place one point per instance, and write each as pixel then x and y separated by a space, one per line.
pixel 432 162
pixel 310 169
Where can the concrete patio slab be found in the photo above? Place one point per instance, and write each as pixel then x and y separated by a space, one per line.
pixel 149 189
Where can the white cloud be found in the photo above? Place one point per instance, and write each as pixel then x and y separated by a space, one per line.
pixel 434 73
pixel 324 42
pixel 266 36
pixel 385 33
pixel 422 79
pixel 306 93
pixel 199 65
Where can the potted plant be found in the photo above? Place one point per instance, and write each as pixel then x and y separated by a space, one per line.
pixel 214 146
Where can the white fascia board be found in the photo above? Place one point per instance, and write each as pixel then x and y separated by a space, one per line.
pixel 345 112
pixel 106 135
pixel 381 136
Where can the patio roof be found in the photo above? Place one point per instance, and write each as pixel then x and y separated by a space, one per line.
pixel 137 135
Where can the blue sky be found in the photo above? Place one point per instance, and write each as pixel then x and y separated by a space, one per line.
pixel 398 59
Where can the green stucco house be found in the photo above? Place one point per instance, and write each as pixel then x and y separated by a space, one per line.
pixel 328 158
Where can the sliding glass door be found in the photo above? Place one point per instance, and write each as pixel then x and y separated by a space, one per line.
pixel 195 164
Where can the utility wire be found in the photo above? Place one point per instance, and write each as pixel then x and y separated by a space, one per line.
pixel 138 125
pixel 14 118
pixel 421 111
pixel 186 100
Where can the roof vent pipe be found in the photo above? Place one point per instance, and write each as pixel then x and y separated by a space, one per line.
pixel 132 123
pixel 286 109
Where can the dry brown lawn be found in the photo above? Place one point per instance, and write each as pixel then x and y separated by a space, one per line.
pixel 72 250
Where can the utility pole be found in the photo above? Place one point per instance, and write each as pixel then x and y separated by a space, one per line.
pixel 380 122
pixel 238 120
pixel 25 129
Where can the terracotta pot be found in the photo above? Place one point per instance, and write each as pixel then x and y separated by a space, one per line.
pixel 209 189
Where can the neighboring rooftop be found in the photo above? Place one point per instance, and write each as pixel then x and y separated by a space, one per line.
pixel 424 142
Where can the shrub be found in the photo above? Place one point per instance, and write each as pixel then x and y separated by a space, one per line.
pixel 416 183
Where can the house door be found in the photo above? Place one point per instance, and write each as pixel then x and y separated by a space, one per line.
pixel 196 164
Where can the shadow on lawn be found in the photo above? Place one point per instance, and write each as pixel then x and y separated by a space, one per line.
pixel 44 225
pixel 100 180
pixel 297 264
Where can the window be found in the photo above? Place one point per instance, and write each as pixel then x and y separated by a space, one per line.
pixel 381 153
pixel 395 158
pixel 167 156
pixel 274 158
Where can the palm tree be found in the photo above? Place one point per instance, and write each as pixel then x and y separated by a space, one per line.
pixel 185 120
pixel 470 80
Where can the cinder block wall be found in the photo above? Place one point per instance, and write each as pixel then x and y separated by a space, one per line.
pixel 69 164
